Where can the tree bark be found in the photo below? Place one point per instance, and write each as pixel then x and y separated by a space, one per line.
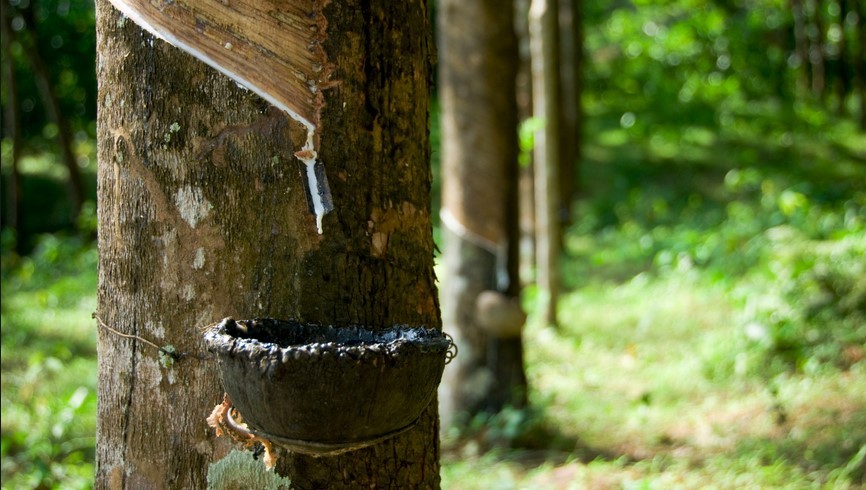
pixel 544 40
pixel 202 215
pixel 477 76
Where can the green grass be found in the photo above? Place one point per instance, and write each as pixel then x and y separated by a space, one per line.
pixel 713 332
pixel 632 380
pixel 49 365
pixel 44 189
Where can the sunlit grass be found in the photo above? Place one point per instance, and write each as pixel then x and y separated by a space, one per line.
pixel 49 369
pixel 629 376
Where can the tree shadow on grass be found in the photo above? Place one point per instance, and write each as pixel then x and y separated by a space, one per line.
pixel 526 438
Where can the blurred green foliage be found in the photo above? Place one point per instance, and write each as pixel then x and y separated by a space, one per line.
pixel 63 32
pixel 689 63
pixel 48 363
pixel 703 156
pixel 60 34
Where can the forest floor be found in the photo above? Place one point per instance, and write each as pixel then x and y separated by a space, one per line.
pixel 713 332
pixel 654 384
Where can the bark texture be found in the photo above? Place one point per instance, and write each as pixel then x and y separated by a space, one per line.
pixel 202 215
pixel 477 75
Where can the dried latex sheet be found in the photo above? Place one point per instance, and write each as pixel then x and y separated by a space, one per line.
pixel 272 48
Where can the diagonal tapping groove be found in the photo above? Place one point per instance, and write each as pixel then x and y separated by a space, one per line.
pixel 273 49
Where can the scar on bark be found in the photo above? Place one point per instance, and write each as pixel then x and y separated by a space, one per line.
pixel 287 66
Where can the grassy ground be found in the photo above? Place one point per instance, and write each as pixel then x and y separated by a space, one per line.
pixel 713 333
pixel 649 385
pixel 49 365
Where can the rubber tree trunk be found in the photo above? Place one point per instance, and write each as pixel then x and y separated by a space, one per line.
pixel 544 43
pixel 202 215
pixel 526 184
pixel 477 75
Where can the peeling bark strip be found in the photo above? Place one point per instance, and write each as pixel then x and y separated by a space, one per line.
pixel 273 48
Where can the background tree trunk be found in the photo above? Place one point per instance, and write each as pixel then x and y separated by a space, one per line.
pixel 202 215
pixel 11 126
pixel 526 183
pixel 843 81
pixel 801 44
pixel 571 76
pixel 860 53
pixel 544 41
pixel 477 76
pixel 816 49
pixel 54 113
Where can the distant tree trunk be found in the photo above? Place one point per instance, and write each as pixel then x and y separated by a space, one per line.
pixel 571 75
pixel 843 85
pixel 801 45
pixel 524 68
pixel 477 73
pixel 526 183
pixel 543 27
pixel 860 68
pixel 816 51
pixel 11 125
pixel 54 113
pixel 202 215
pixel 778 38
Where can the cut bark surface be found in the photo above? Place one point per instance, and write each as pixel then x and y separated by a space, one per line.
pixel 272 48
